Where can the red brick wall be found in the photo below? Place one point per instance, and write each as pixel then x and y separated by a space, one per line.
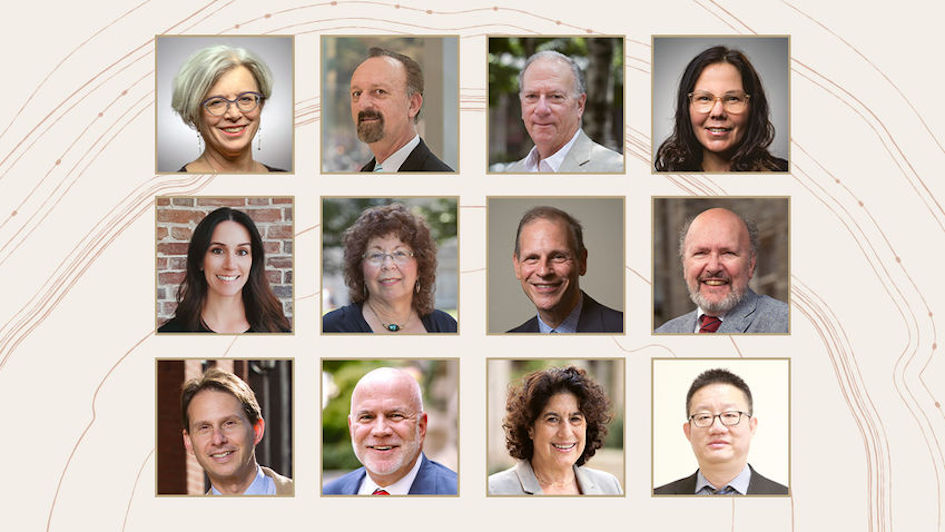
pixel 178 216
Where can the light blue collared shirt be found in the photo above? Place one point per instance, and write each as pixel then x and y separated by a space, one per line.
pixel 262 485
pixel 738 485
pixel 569 325
pixel 392 163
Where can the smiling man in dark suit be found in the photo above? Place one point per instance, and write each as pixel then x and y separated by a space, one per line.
pixel 549 260
pixel 387 425
pixel 386 97
pixel 720 426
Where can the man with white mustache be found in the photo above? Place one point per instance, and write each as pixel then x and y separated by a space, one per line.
pixel 387 425
pixel 719 252
pixel 222 426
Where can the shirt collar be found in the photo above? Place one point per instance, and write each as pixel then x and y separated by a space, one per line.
pixel 569 325
pixel 262 485
pixel 401 487
pixel 551 163
pixel 737 486
pixel 392 164
pixel 700 312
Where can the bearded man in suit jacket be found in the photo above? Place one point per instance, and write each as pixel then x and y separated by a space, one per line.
pixel 719 251
pixel 552 94
pixel 387 425
pixel 720 426
pixel 549 260
pixel 386 97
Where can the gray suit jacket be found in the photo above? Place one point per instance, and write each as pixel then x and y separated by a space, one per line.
pixel 586 156
pixel 521 480
pixel 757 485
pixel 754 314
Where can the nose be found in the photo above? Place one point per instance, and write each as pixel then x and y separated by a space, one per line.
pixel 542 106
pixel 218 438
pixel 232 111
pixel 545 268
pixel 717 425
pixel 712 262
pixel 380 427
pixel 717 108
pixel 228 259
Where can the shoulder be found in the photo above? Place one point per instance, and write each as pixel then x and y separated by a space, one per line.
pixel 596 317
pixel 683 486
pixel 346 319
pixel 369 167
pixel 761 485
pixel 272 168
pixel 505 483
pixel 284 485
pixel 680 324
pixel 439 322
pixel 347 484
pixel 174 325
pixel 422 159
pixel 773 316
pixel 530 326
pixel 604 482
pixel 434 478
pixel 602 159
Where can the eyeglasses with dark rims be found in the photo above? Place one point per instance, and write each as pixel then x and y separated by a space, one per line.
pixel 246 102
pixel 729 419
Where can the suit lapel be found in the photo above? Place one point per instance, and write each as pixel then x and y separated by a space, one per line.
pixel 579 155
pixel 423 482
pixel 739 318
pixel 414 162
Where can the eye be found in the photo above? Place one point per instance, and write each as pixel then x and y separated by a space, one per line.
pixel 577 419
pixel 397 416
pixel 552 419
pixel 560 258
pixel 701 418
pixel 376 257
pixel 730 417
pixel 364 418
pixel 216 251
pixel 530 97
pixel 215 104
pixel 401 255
pixel 380 92
pixel 242 252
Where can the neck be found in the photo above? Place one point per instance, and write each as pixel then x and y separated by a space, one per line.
pixel 237 485
pixel 720 475
pixel 557 477
pixel 225 314
pixel 557 315
pixel 386 480
pixel 715 162
pixel 399 311
pixel 221 163
pixel 384 148
pixel 548 150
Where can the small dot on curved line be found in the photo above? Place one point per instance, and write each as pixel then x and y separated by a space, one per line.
pixel 898 259
pixel 13 213
pixel 124 92
pixel 396 6
pixel 58 161
pixel 837 181
pixel 935 346
pixel 495 8
pixel 558 22
pixel 429 11
pixel 938 405
pixel 236 26
pixel 268 15
pixel 334 3
pixel 930 313
pixel 861 203
pixel 100 115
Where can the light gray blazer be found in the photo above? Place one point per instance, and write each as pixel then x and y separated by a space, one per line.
pixel 586 156
pixel 521 480
pixel 753 314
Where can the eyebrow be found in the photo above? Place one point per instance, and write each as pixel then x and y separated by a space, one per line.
pixel 214 243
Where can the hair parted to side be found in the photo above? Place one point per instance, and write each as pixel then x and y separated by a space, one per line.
pixel 263 309
pixel 718 376
pixel 545 212
pixel 394 219
pixel 682 152
pixel 221 381
pixel 750 225
pixel 579 86
pixel 526 402
pixel 204 68
pixel 414 72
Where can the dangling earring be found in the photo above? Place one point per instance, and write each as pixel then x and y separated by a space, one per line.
pixel 199 143
pixel 416 287
pixel 259 139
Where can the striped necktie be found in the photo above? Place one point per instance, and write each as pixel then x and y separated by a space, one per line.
pixel 379 491
pixel 709 324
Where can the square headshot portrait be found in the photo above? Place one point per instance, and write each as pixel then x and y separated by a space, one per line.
pixel 555 426
pixel 555 265
pixel 224 427
pixel 390 265
pixel 390 426
pixel 556 104
pixel 733 438
pixel 224 104
pixel 389 104
pixel 721 265
pixel 721 103
pixel 224 264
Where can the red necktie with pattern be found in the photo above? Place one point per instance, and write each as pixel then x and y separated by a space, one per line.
pixel 379 491
pixel 709 324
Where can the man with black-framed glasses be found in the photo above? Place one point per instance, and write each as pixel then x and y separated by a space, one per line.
pixel 720 426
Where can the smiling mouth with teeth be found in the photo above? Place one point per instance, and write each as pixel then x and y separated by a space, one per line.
pixel 228 277
pixel 564 447
pixel 221 454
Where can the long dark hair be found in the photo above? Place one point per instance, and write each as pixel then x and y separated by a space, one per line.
pixel 263 309
pixel 682 152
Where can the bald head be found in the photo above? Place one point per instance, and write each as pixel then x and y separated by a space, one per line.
pixel 394 383
pixel 718 252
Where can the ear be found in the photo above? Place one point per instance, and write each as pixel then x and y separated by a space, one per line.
pixel 582 266
pixel 686 428
pixel 187 443
pixel 531 432
pixel 416 102
pixel 517 266
pixel 581 101
pixel 258 430
pixel 753 425
pixel 422 425
pixel 751 268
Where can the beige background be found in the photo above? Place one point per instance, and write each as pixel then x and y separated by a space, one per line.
pixel 601 219
pixel 77 260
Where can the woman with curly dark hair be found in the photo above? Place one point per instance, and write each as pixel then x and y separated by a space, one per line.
pixel 721 122
pixel 225 289
pixel 555 422
pixel 390 271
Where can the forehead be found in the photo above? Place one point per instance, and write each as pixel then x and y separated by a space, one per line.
pixel 548 74
pixel 230 231
pixel 380 70
pixel 234 81
pixel 717 228
pixel 562 402
pixel 388 241
pixel 718 396
pixel 545 232
pixel 211 404
pixel 388 393
pixel 719 78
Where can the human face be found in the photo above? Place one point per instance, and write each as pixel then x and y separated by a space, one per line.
pixel 551 110
pixel 390 281
pixel 719 131
pixel 228 260
pixel 222 439
pixel 717 444
pixel 558 435
pixel 549 267
pixel 387 425
pixel 717 260
pixel 230 135
pixel 380 107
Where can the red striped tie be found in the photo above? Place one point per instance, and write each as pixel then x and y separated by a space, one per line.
pixel 379 491
pixel 709 324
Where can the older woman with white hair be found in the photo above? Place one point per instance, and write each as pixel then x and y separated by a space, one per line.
pixel 221 91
